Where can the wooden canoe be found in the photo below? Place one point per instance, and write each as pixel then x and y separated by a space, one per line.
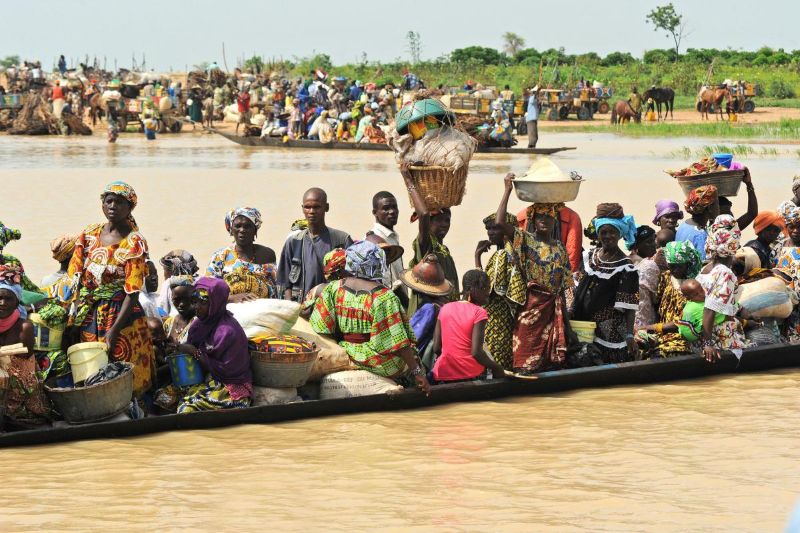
pixel 636 373
pixel 275 142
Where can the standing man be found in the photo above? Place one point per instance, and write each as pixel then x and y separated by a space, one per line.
pixel 635 100
pixel 384 207
pixel 62 65
pixel 532 117
pixel 243 103
pixel 300 269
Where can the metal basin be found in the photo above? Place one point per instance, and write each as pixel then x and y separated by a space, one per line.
pixel 547 192
pixel 282 370
pixel 82 405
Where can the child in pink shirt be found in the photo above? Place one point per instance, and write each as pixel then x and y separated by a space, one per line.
pixel 458 338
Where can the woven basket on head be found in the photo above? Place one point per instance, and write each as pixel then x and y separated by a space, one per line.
pixel 440 186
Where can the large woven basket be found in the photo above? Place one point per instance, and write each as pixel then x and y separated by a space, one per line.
pixel 440 186
pixel 727 182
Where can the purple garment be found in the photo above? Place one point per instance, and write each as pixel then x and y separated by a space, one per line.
pixel 219 337
pixel 423 322
pixel 666 207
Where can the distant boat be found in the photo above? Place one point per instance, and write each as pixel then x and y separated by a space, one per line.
pixel 275 142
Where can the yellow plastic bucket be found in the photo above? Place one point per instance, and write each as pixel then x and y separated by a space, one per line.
pixel 86 358
pixel 583 329
pixel 45 338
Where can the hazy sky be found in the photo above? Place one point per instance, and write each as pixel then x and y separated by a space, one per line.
pixel 177 33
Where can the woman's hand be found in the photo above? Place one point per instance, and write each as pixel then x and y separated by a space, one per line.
pixel 747 179
pixel 711 354
pixel 422 384
pixel 111 340
pixel 188 349
pixel 406 173
pixel 509 181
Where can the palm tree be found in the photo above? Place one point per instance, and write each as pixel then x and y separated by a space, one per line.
pixel 513 43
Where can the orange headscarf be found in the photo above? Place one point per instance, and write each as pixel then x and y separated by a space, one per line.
pixel 766 219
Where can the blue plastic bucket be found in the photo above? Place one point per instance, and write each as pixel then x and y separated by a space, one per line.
pixel 724 160
pixel 185 370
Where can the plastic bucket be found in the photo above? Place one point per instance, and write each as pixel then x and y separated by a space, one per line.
pixel 86 358
pixel 583 329
pixel 185 370
pixel 723 159
pixel 45 339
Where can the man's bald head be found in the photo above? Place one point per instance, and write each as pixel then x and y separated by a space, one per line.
pixel 316 193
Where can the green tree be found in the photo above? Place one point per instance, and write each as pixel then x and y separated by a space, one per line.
pixel 512 43
pixel 478 54
pixel 414 46
pixel 667 19
pixel 9 61
pixel 255 64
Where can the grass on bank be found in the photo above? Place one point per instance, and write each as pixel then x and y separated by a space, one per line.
pixel 785 129
pixel 738 150
pixel 689 102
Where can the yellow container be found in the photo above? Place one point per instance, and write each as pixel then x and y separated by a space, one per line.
pixel 45 338
pixel 651 116
pixel 734 117
pixel 86 358
pixel 583 329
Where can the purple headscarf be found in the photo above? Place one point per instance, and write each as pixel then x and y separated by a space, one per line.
pixel 219 337
pixel 666 207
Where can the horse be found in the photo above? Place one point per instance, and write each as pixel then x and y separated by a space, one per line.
pixel 661 95
pixel 708 98
pixel 622 112
pixel 96 107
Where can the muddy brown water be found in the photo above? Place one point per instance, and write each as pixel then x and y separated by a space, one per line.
pixel 709 455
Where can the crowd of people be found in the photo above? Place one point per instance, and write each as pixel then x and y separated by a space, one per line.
pixel 672 290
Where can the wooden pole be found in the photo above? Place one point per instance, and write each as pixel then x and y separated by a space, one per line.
pixel 224 60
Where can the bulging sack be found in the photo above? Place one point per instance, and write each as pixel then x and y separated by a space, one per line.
pixel 271 396
pixel 351 383
pixel 766 298
pixel 265 316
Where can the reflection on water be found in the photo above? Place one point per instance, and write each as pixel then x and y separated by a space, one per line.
pixel 710 455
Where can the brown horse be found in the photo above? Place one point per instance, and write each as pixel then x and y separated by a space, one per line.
pixel 96 107
pixel 622 112
pixel 712 99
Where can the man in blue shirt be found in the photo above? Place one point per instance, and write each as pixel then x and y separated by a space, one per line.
pixel 355 91
pixel 532 117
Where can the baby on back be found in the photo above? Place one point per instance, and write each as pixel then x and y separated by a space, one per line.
pixel 691 324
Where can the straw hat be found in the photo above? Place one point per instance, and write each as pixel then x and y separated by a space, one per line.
pixel 427 277
pixel 393 252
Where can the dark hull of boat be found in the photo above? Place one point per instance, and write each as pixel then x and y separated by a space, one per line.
pixel 642 372
pixel 274 142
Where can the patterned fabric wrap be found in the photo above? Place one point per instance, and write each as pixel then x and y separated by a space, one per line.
pixel 790 213
pixel 183 280
pixel 625 225
pixel 684 253
pixel 62 247
pixel 280 344
pixel 543 209
pixel 377 314
pixel 365 260
pixel 7 235
pixel 10 279
pixel 334 263
pixel 179 262
pixel 120 188
pixel 506 297
pixel 213 395
pixel 700 198
pixel 539 340
pixel 511 220
pixel 250 213
pixel 723 237
pixel 243 276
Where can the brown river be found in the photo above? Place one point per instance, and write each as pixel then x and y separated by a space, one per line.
pixel 710 455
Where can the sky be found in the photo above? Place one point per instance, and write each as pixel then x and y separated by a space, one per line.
pixel 174 34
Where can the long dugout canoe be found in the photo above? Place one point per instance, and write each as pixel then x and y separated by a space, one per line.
pixel 635 373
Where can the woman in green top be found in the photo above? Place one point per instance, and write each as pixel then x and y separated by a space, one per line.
pixel 367 319
pixel 433 228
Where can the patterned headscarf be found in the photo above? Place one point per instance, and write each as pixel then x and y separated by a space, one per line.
pixel 334 263
pixel 543 209
pixel 700 198
pixel 643 233
pixel 511 220
pixel 7 235
pixel 684 253
pixel 120 188
pixel 11 279
pixel 366 261
pixel 790 213
pixel 63 246
pixel 179 262
pixel 723 237
pixel 250 213
pixel 795 184
pixel 182 280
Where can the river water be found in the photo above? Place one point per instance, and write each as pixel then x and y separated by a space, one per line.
pixel 710 455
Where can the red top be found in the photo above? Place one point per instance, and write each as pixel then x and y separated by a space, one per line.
pixel 58 92
pixel 456 321
pixel 244 102
pixel 571 234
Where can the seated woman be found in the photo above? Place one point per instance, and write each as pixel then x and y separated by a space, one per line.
pixel 458 339
pixel 248 268
pixel 789 263
pixel 609 292
pixel 661 337
pixel 103 281
pixel 220 345
pixel 719 283
pixel 542 329
pixel 176 327
pixel 367 318
pixel 25 401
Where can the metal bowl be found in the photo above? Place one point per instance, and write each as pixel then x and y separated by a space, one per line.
pixel 81 405
pixel 547 192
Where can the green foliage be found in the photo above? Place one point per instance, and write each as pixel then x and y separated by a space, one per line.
pixel 9 61
pixel 667 19
pixel 480 55
pixel 780 89
pixel 254 64
pixel 513 43
pixel 617 58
